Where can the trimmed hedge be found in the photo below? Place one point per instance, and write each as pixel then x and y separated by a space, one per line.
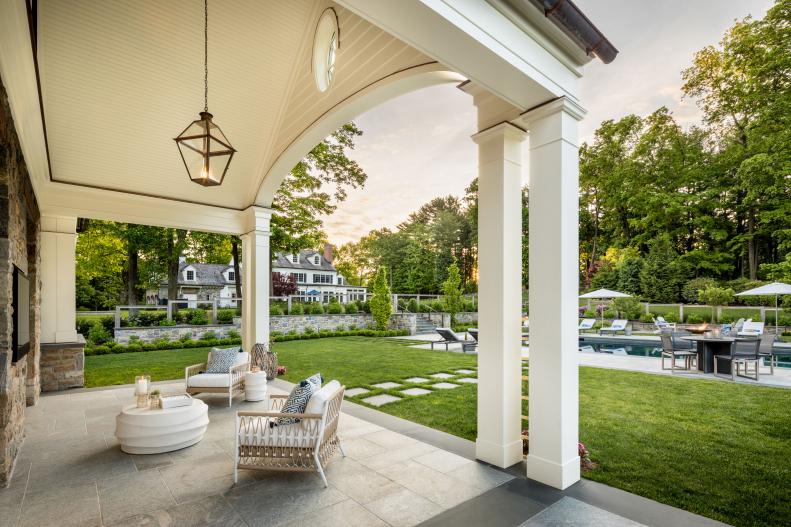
pixel 313 334
pixel 160 344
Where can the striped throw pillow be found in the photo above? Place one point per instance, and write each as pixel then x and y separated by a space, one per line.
pixel 298 399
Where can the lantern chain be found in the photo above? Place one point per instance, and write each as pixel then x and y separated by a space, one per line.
pixel 205 55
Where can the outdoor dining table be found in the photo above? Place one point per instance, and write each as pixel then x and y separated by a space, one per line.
pixel 708 347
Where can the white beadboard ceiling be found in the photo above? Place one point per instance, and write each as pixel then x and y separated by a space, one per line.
pixel 120 80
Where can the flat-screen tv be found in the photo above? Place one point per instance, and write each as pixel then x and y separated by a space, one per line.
pixel 20 338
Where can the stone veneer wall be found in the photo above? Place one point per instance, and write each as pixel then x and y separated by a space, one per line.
pixel 62 366
pixel 283 324
pixel 20 231
pixel 467 318
pixel 152 333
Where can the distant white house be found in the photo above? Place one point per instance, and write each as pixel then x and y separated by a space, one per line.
pixel 316 277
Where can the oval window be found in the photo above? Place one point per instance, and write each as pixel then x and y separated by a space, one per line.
pixel 325 47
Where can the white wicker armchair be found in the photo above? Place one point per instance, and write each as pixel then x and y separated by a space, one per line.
pixel 230 383
pixel 305 446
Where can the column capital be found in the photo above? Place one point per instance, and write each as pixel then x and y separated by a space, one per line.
pixel 504 129
pixel 60 224
pixel 561 104
pixel 257 219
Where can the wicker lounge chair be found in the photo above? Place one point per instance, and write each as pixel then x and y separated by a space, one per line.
pixel 230 383
pixel 305 446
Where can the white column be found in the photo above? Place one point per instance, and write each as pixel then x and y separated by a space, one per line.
pixel 58 310
pixel 256 279
pixel 554 286
pixel 500 263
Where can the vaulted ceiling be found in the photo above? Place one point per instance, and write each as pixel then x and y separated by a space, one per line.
pixel 120 80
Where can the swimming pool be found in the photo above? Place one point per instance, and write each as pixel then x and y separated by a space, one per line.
pixel 637 348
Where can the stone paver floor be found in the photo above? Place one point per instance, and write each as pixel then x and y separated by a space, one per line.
pixel 442 375
pixel 469 380
pixel 416 380
pixel 71 471
pixel 465 372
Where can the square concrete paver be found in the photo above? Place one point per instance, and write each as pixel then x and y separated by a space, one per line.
pixel 354 392
pixel 416 380
pixel 445 385
pixel 468 380
pixel 442 376
pixel 465 372
pixel 387 385
pixel 415 391
pixel 381 400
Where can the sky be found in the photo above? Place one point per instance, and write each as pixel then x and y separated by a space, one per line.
pixel 417 147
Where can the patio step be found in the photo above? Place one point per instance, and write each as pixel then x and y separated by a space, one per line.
pixel 424 325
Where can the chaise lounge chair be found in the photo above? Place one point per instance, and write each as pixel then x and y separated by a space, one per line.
pixel 450 337
pixel 586 324
pixel 663 325
pixel 615 327
pixel 751 329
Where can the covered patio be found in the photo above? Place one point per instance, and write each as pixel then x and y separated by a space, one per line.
pixel 94 92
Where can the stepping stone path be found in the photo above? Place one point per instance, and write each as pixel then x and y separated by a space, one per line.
pixel 445 385
pixel 416 380
pixel 387 385
pixel 381 400
pixel 468 380
pixel 465 372
pixel 354 392
pixel 415 391
pixel 442 376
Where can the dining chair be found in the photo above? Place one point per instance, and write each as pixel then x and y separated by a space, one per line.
pixel 743 353
pixel 669 350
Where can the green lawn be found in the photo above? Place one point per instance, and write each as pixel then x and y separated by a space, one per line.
pixel 714 448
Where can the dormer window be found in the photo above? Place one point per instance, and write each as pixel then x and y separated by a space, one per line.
pixel 317 259
pixel 231 276
pixel 190 275
pixel 294 258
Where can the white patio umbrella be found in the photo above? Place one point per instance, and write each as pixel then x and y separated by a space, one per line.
pixel 603 294
pixel 775 288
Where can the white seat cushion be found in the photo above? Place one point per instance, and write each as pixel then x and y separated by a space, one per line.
pixel 209 380
pixel 319 399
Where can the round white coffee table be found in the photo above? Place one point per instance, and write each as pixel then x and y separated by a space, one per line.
pixel 255 386
pixel 147 431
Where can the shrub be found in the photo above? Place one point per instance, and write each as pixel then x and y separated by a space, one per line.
pixel 296 309
pixel 146 318
pixel 309 330
pixel 412 306
pixel 694 318
pixel 275 310
pixel 316 308
pixel 715 296
pixel 209 335
pixel 452 289
pixel 591 314
pixel 186 336
pixel 134 348
pixel 335 308
pixel 628 307
pixel 647 318
pixel 167 322
pixel 233 334
pixel 609 313
pixel 197 317
pixel 100 350
pixel 671 317
pixel 225 316
pixel 134 338
pixel 365 307
pixel 438 305
pixel 381 307
pixel 98 334
pixel 690 290
pixel 351 308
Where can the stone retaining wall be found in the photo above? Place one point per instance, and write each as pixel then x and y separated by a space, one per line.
pixel 62 366
pixel 281 323
pixel 152 333
pixel 467 318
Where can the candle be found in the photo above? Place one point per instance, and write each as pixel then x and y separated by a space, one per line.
pixel 141 386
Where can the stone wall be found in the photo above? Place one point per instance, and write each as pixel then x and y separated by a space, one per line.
pixel 19 246
pixel 150 334
pixel 62 366
pixel 281 323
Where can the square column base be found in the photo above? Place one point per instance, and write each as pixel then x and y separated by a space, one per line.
pixel 553 474
pixel 502 456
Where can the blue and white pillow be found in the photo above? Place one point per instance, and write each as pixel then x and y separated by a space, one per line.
pixel 221 360
pixel 298 399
